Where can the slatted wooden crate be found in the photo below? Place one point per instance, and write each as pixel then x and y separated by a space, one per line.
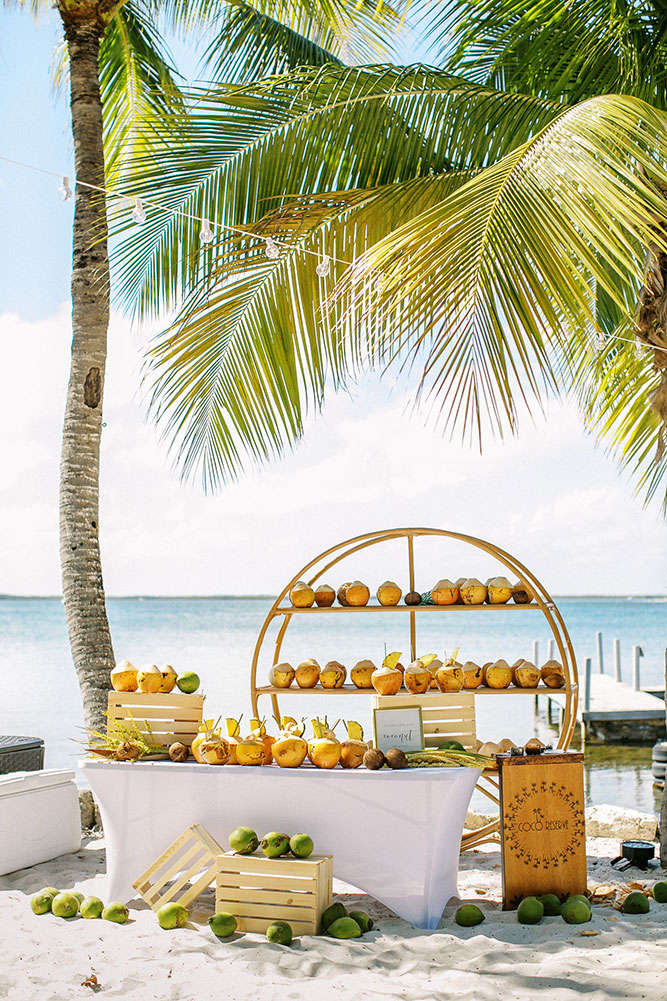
pixel 446 715
pixel 170 715
pixel 258 891
pixel 182 872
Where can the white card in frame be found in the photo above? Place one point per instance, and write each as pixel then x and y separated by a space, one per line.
pixel 401 727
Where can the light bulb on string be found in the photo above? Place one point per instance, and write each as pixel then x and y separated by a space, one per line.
pixel 600 342
pixel 206 234
pixel 64 190
pixel 324 267
pixel 139 212
pixel 271 249
pixel 639 350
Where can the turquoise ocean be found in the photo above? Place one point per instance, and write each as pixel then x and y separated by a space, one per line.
pixel 216 637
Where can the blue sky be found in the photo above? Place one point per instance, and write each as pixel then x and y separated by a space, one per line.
pixel 550 497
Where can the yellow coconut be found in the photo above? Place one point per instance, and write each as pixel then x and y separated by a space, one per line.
pixel 333 675
pixel 214 750
pixel 525 674
pixel 353 749
pixel 307 673
pixel 289 749
pixel 389 593
pixel 445 593
pixel 473 592
pixel 521 594
pixel 324 596
pixel 355 594
pixel 433 667
pixel 233 737
pixel 497 674
pixel 302 595
pixel 361 673
pixel 258 728
pixel 207 731
pixel 324 749
pixel 472 675
pixel 450 678
pixel 250 750
pixel 387 680
pixel 552 674
pixel 417 677
pixel 124 677
pixel 149 679
pixel 281 675
pixel 499 590
pixel 168 678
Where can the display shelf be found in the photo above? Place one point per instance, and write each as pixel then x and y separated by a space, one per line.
pixel 314 610
pixel 402 692
pixel 316 572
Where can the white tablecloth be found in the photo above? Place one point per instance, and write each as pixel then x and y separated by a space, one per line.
pixel 394 834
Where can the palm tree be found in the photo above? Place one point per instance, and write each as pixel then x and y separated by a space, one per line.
pixel 120 80
pixel 495 236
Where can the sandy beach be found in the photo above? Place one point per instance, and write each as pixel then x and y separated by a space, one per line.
pixel 612 957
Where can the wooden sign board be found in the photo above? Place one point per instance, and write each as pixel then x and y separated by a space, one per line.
pixel 400 727
pixel 542 825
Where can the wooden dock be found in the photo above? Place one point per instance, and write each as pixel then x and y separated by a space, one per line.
pixel 613 712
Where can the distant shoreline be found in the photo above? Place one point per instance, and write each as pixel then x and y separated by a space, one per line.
pixel 271 597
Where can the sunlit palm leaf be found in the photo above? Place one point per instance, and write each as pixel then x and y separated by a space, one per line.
pixel 576 50
pixel 252 350
pixel 621 408
pixel 498 279
pixel 247 150
pixel 138 84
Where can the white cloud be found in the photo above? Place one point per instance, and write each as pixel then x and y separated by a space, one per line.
pixel 549 497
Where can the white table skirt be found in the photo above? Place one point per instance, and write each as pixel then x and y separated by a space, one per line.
pixel 394 834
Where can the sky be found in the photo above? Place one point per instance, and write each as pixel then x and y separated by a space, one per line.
pixel 550 497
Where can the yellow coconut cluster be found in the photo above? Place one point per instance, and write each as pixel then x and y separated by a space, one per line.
pixel 150 678
pixel 288 750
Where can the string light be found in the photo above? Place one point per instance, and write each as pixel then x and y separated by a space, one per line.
pixel 139 212
pixel 600 341
pixel 64 190
pixel 206 234
pixel 639 350
pixel 324 267
pixel 271 249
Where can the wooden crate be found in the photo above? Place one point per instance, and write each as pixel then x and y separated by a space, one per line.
pixel 446 715
pixel 182 872
pixel 170 715
pixel 542 825
pixel 258 891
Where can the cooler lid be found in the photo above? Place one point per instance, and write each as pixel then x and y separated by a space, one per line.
pixel 17 782
pixel 19 743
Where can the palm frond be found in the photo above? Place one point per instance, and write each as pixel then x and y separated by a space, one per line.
pixel 252 350
pixel 247 150
pixel 138 84
pixel 574 50
pixel 498 283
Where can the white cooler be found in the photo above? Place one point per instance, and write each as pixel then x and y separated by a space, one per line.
pixel 39 818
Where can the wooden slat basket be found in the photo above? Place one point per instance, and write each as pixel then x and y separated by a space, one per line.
pixel 182 871
pixel 259 891
pixel 170 715
pixel 446 715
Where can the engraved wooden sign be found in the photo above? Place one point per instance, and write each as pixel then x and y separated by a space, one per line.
pixel 542 825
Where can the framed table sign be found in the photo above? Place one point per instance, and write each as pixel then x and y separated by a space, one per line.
pixel 400 727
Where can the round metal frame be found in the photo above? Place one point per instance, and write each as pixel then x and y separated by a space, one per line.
pixel 314 571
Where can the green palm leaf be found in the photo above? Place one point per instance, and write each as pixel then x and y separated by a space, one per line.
pixel 498 283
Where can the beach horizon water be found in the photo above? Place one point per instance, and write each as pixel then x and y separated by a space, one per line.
pixel 216 636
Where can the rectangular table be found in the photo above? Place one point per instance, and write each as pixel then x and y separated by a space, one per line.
pixel 393 834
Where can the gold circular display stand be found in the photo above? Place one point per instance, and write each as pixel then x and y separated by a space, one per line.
pixel 314 571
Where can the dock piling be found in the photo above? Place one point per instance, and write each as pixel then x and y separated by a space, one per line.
pixel 617 660
pixel 598 642
pixel 637 652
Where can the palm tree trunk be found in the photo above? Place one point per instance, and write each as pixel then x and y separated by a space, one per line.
pixel 83 589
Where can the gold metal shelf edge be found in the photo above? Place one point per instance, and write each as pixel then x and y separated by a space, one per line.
pixel 283 610
pixel 403 693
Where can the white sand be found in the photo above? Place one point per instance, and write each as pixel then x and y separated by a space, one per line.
pixel 47 958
